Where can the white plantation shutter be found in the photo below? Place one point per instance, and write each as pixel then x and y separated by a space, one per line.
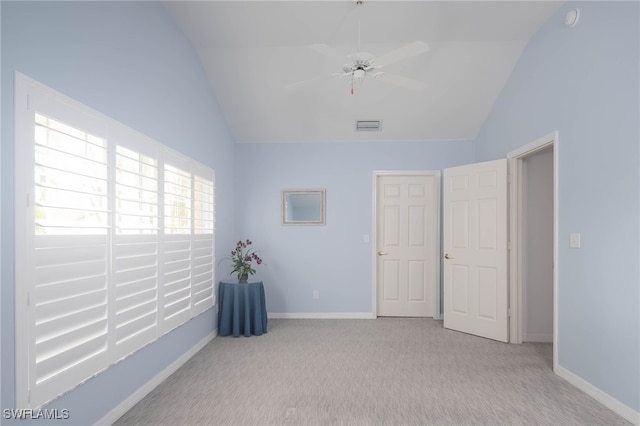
pixel 202 274
pixel 70 180
pixel 135 279
pixel 68 296
pixel 114 242
pixel 69 314
pixel 176 244
pixel 135 249
pixel 136 193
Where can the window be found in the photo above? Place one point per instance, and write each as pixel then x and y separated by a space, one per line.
pixel 136 193
pixel 70 180
pixel 114 247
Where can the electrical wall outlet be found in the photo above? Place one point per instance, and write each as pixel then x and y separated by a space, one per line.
pixel 316 295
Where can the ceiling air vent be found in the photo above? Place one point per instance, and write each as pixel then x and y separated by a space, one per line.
pixel 368 125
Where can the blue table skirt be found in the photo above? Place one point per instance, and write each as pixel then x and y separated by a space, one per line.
pixel 242 309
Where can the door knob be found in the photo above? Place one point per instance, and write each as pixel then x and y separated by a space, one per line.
pixel 382 253
pixel 448 256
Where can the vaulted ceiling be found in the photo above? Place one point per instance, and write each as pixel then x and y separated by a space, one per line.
pixel 254 51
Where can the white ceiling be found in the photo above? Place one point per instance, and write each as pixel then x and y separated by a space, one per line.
pixel 252 50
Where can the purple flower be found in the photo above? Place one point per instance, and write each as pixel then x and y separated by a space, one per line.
pixel 243 255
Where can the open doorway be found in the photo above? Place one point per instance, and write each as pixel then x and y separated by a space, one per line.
pixel 537 247
pixel 533 240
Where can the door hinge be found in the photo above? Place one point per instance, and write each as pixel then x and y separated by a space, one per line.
pixel 509 312
pixel 508 245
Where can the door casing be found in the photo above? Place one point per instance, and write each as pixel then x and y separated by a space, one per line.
pixel 374 226
pixel 516 240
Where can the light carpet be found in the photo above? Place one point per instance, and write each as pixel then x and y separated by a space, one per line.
pixel 388 371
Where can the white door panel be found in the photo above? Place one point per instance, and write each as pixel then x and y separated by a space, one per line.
pixel 407 245
pixel 475 247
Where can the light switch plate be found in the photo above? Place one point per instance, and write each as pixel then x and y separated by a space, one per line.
pixel 574 240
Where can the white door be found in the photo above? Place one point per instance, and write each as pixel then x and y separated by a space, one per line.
pixel 407 244
pixel 475 249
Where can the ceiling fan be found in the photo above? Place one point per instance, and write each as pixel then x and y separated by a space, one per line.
pixel 363 64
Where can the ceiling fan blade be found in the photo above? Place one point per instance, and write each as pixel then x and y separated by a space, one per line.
pixel 411 49
pixel 406 82
pixel 329 52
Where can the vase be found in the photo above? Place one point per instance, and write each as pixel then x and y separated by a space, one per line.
pixel 243 278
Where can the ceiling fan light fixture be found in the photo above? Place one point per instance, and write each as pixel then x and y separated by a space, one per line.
pixel 358 74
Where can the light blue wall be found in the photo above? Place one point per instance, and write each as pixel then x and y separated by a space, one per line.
pixel 332 259
pixel 129 61
pixel 584 82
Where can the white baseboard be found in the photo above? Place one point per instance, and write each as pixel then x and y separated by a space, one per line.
pixel 538 338
pixel 604 398
pixel 322 315
pixel 144 390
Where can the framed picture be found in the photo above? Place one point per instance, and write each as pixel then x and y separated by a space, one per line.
pixel 303 207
